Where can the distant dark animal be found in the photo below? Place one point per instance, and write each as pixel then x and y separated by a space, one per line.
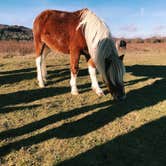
pixel 76 33
pixel 121 44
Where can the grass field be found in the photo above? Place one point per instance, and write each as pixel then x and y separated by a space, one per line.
pixel 49 126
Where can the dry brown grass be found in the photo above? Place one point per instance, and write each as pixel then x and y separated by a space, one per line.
pixel 15 48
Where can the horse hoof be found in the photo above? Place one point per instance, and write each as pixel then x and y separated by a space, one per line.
pixel 100 94
pixel 75 93
pixel 45 81
pixel 41 85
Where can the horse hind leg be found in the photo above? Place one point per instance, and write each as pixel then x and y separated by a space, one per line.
pixel 39 71
pixel 39 65
pixel 74 61
pixel 92 73
pixel 74 90
pixel 46 51
pixel 44 69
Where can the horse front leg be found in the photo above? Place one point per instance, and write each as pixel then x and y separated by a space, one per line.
pixel 39 71
pixel 74 66
pixel 92 73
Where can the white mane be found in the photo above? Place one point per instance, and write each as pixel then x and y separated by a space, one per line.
pixel 100 44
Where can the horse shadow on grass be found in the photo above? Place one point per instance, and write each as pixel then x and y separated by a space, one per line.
pixel 26 96
pixel 63 75
pixel 107 112
pixel 54 76
pixel 145 71
pixel 14 76
pixel 9 100
pixel 150 71
pixel 141 147
pixel 24 70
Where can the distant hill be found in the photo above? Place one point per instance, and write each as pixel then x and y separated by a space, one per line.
pixel 15 32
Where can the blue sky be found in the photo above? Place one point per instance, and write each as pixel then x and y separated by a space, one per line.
pixel 126 18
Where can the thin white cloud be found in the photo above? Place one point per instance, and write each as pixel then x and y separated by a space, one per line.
pixel 160 28
pixel 129 28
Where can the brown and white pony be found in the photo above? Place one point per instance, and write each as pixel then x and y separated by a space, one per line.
pixel 76 33
pixel 121 45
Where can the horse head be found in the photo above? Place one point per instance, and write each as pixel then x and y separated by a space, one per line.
pixel 114 75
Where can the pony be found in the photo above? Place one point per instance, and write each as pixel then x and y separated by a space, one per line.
pixel 121 44
pixel 79 33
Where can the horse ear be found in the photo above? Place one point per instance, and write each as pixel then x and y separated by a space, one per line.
pixel 121 57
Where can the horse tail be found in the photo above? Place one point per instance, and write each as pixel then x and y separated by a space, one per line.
pixel 37 30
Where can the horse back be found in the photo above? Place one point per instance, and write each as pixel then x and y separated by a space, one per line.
pixel 58 30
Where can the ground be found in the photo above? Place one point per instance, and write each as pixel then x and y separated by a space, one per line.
pixel 49 126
